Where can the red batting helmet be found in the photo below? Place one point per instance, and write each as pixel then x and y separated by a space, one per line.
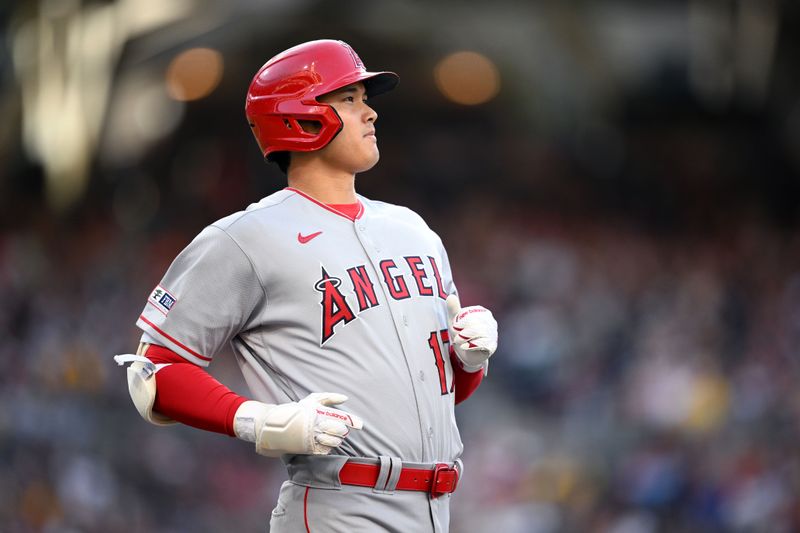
pixel 286 88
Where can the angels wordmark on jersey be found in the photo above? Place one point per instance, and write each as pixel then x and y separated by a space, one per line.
pixel 336 307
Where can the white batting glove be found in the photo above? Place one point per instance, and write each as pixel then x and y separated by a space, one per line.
pixel 310 426
pixel 473 333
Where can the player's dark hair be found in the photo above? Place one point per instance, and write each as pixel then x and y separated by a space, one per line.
pixel 281 159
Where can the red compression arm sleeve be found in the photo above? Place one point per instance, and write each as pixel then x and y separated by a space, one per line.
pixel 187 393
pixel 465 382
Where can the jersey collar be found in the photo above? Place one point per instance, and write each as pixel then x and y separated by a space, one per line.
pixel 329 208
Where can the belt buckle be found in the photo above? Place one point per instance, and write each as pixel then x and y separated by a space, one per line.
pixel 445 480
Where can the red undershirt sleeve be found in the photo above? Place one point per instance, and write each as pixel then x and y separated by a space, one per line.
pixel 465 382
pixel 188 394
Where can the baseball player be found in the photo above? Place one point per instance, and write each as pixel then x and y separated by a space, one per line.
pixel 341 311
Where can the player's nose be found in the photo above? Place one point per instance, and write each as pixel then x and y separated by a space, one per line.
pixel 371 115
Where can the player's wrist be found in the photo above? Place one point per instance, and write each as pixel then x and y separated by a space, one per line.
pixel 249 418
pixel 470 369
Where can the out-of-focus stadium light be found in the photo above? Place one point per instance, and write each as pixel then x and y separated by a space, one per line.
pixel 732 49
pixel 757 27
pixel 65 60
pixel 143 114
pixel 194 74
pixel 467 78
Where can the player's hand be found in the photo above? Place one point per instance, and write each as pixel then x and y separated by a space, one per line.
pixel 330 426
pixel 310 426
pixel 473 333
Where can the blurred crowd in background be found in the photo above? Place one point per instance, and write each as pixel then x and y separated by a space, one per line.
pixel 625 198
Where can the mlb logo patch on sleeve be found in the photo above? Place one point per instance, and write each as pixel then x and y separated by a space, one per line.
pixel 162 300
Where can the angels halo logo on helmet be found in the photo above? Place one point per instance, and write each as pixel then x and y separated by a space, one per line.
pixel 285 91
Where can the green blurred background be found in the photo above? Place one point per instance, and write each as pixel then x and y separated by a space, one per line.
pixel 619 181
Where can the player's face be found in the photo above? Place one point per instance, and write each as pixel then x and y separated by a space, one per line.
pixel 355 148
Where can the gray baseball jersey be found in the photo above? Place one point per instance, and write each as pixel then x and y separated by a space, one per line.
pixel 313 301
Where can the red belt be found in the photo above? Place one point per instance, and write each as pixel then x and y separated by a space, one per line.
pixel 442 479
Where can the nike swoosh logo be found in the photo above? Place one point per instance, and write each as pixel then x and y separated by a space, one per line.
pixel 302 239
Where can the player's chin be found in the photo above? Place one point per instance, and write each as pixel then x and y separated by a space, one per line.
pixel 369 160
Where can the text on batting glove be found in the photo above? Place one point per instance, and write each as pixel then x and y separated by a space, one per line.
pixel 310 426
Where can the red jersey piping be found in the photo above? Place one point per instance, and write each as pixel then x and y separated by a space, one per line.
pixel 305 510
pixel 203 357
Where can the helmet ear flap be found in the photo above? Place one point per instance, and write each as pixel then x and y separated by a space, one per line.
pixel 284 132
pixel 338 122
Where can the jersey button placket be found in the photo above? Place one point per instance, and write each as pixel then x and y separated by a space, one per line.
pixel 399 318
pixel 364 238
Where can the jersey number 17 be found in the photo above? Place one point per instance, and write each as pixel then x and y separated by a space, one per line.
pixel 439 342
